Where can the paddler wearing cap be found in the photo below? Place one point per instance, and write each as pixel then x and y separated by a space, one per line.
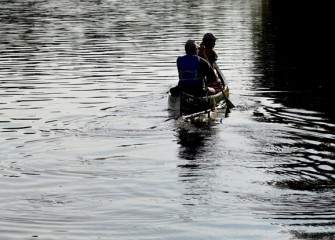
pixel 193 71
pixel 207 52
pixel 207 48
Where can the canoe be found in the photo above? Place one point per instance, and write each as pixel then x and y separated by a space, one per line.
pixel 186 104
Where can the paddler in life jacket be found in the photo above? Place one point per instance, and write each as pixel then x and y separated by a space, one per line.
pixel 193 71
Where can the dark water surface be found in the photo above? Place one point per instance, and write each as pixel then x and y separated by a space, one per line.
pixel 89 149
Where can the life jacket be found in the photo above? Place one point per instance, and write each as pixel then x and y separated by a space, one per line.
pixel 188 68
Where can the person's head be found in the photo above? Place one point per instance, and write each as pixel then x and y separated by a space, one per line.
pixel 208 40
pixel 191 47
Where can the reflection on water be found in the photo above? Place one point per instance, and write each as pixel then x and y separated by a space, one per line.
pixel 89 149
pixel 198 135
pixel 191 143
pixel 196 171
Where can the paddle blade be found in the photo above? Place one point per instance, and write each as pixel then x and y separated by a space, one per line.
pixel 229 103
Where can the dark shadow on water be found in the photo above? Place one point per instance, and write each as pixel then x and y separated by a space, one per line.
pixel 295 50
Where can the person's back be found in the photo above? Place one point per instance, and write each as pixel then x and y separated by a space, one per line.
pixel 191 71
pixel 190 79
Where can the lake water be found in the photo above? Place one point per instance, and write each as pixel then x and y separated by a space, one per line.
pixel 89 149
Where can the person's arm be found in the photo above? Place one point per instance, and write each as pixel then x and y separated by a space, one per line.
pixel 177 62
pixel 178 59
pixel 207 71
pixel 214 56
pixel 204 68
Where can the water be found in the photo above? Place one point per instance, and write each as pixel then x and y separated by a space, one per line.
pixel 89 149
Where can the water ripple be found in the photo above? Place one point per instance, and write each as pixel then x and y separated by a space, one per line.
pixel 88 149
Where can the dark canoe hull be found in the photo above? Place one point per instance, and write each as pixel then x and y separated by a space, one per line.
pixel 186 104
pixel 190 104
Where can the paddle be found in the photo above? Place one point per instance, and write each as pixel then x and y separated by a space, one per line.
pixel 221 76
pixel 229 103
